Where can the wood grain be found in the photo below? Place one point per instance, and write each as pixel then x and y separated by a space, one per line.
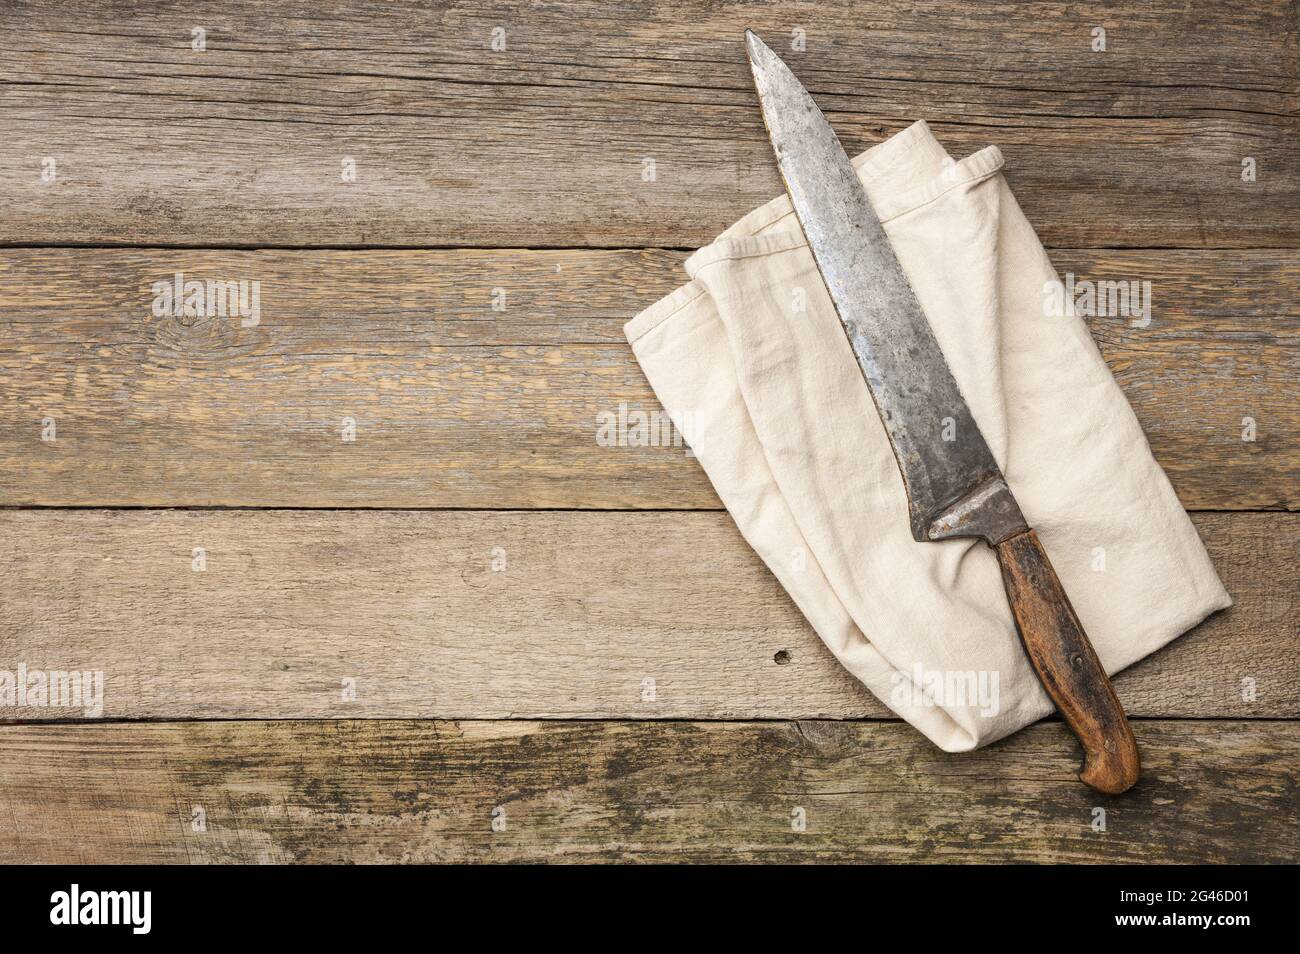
pixel 460 405
pixel 587 607
pixel 544 141
pixel 357 791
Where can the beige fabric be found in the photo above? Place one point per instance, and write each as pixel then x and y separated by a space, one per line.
pixel 751 354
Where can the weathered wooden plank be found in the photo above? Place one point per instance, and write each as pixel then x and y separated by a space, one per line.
pixel 543 142
pixel 460 405
pixel 332 614
pixel 357 791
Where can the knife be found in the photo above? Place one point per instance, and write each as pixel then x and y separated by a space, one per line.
pixel 954 487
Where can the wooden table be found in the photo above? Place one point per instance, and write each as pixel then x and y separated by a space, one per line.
pixel 472 633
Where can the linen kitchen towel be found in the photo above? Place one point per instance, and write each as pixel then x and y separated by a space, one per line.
pixel 750 353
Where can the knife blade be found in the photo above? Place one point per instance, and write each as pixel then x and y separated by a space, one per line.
pixel 954 487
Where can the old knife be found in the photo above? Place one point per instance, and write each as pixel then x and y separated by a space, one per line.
pixel 954 487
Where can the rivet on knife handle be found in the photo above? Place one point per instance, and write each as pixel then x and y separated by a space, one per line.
pixel 1060 652
pixel 953 485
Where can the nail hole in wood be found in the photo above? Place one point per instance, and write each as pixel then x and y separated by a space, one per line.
pixel 782 657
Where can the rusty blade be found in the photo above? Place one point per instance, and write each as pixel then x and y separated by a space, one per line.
pixel 954 487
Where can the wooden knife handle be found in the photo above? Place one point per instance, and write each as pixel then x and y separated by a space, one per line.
pixel 1067 665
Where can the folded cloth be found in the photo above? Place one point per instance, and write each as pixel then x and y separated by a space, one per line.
pixel 750 358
